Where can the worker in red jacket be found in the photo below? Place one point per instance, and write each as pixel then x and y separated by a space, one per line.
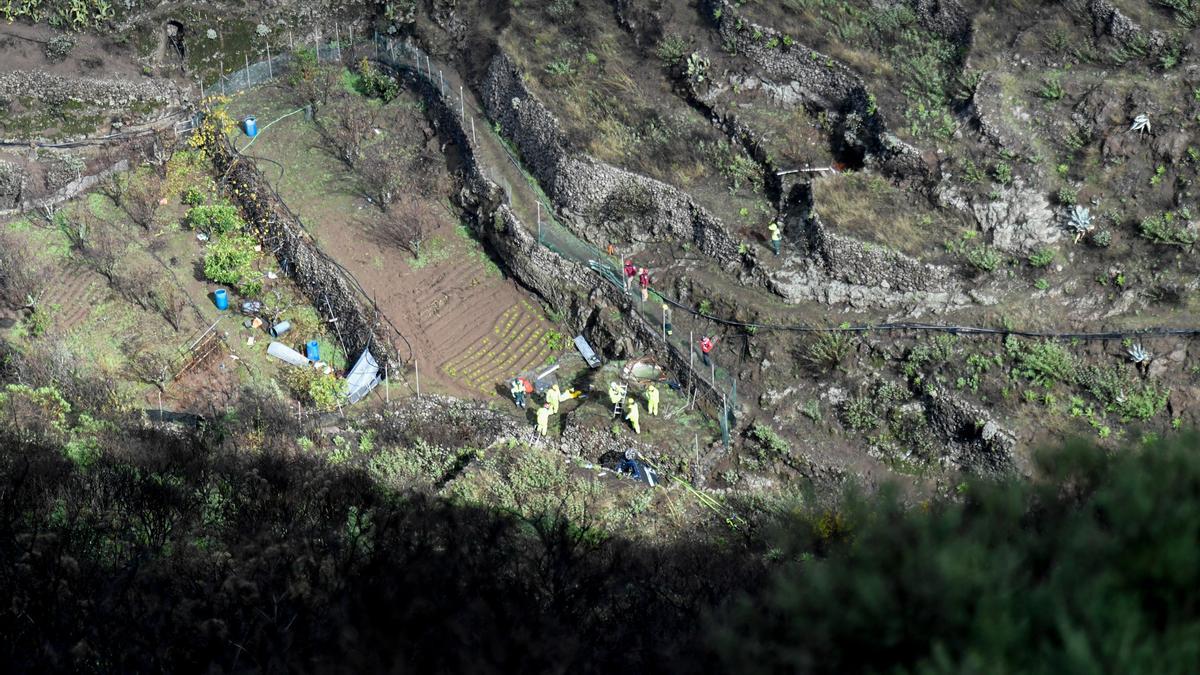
pixel 630 274
pixel 706 346
pixel 644 282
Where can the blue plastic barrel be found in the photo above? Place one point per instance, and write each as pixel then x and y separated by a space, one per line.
pixel 251 125
pixel 221 299
pixel 312 350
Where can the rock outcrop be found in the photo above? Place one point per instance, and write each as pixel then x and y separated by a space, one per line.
pixel 602 203
pixel 821 82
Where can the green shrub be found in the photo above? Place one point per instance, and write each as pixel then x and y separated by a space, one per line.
pixel 193 197
pixel 672 50
pixel 1067 196
pixel 1045 363
pixel 859 413
pixel 1041 257
pixel 1164 229
pixel 324 392
pixel 230 259
pixel 374 84
pixel 829 350
pixel 933 353
pixel 983 258
pixel 553 340
pixel 1117 389
pixel 1002 172
pixel 38 322
pixel 215 219
pixel 770 440
pixel 1052 89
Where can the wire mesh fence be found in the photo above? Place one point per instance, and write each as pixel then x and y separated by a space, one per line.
pixel 528 199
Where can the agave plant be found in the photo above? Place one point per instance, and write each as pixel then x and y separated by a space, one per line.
pixel 1141 123
pixel 697 68
pixel 1079 221
pixel 1138 354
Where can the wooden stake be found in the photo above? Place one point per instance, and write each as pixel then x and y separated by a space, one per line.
pixel 462 103
pixel 247 70
pixel 417 368
pixel 387 389
pixel 474 140
pixel 270 69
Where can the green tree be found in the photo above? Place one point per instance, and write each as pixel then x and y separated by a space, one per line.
pixel 1093 568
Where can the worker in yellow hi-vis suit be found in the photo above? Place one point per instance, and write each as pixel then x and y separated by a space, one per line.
pixel 614 392
pixel 776 237
pixel 632 406
pixel 652 399
pixel 543 420
pixel 553 395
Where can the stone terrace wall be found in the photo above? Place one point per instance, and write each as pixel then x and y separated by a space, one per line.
pixel 865 264
pixel 321 279
pixel 587 191
pixel 565 285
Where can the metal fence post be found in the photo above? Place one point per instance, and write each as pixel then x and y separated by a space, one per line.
pixel 474 140
pixel 247 56
pixel 692 363
pixel 270 68
pixel 462 103
pixel 337 40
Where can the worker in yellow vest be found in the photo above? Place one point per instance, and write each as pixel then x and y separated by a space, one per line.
pixel 632 415
pixel 543 420
pixel 776 237
pixel 652 399
pixel 552 397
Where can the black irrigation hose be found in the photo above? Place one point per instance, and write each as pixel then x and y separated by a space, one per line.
pixel 943 328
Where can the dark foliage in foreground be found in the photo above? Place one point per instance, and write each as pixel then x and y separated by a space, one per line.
pixel 170 555
pixel 177 558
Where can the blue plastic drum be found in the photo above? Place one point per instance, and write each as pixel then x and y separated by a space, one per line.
pixel 221 299
pixel 250 124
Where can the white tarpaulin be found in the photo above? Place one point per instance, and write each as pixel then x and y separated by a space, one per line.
pixel 363 377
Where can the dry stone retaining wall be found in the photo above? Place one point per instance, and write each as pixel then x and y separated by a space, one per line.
pixel 564 284
pixel 328 287
pixel 588 191
pixel 110 94
pixel 865 264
